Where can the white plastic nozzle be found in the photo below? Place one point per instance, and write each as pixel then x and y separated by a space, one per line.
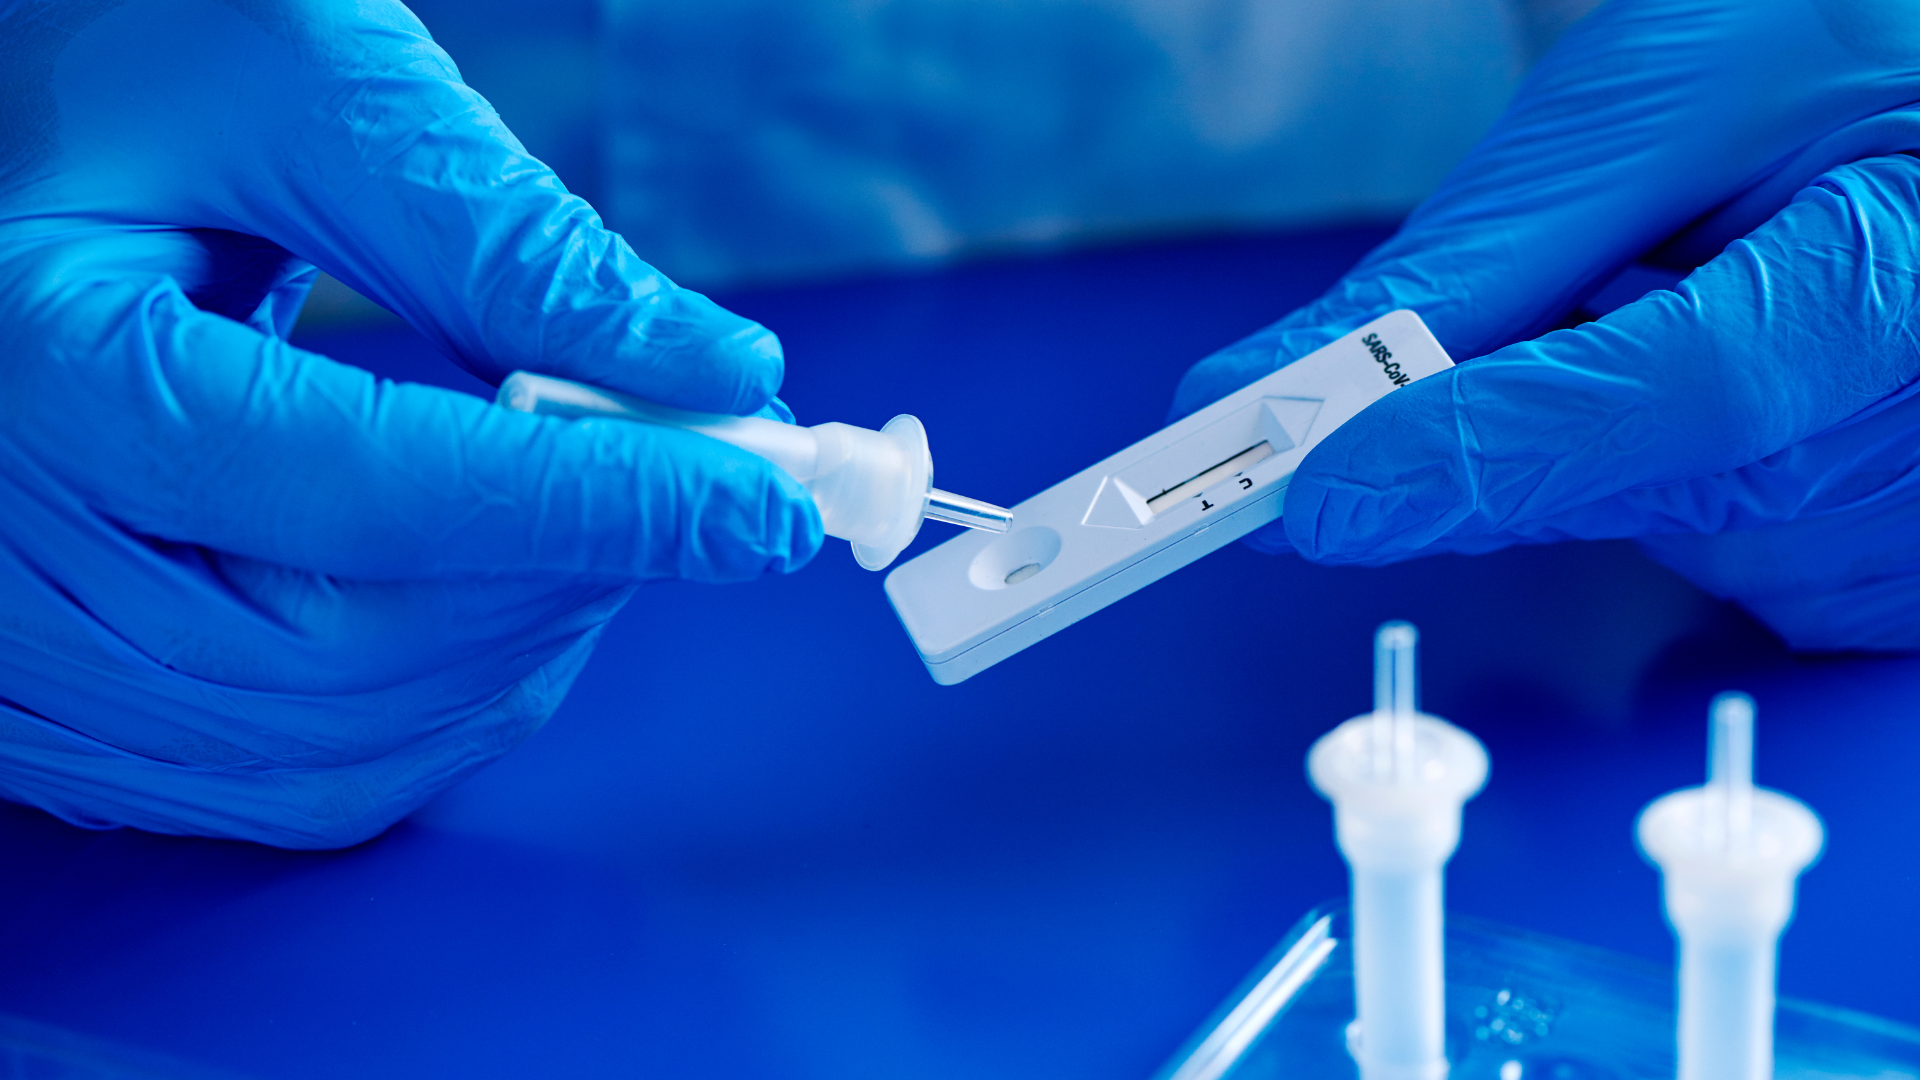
pixel 1397 779
pixel 873 488
pixel 1729 855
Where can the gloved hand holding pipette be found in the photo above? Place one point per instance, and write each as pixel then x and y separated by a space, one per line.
pixel 1757 424
pixel 872 488
pixel 246 591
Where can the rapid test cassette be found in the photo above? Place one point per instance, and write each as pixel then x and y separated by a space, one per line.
pixel 1189 489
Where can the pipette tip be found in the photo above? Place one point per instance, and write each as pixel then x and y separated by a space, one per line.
pixel 1730 772
pixel 1393 698
pixel 972 513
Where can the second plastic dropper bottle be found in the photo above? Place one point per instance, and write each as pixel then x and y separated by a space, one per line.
pixel 1397 779
pixel 1729 854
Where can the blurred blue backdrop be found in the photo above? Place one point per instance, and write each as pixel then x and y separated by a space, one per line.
pixel 747 140
pixel 781 138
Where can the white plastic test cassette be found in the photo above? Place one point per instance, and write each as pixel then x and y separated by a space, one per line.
pixel 1148 510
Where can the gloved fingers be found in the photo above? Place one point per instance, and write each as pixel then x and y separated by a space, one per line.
pixel 186 682
pixel 1851 471
pixel 201 639
pixel 1644 120
pixel 1844 581
pixel 775 409
pixel 168 753
pixel 184 426
pixel 1790 331
pixel 369 157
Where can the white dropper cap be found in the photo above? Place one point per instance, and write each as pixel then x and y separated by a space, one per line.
pixel 873 488
pixel 1397 779
pixel 1729 854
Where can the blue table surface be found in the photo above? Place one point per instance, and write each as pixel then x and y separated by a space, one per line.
pixel 758 841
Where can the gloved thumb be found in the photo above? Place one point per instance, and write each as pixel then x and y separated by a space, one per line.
pixel 1788 332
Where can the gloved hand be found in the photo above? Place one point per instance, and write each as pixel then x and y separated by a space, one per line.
pixel 1757 421
pixel 246 591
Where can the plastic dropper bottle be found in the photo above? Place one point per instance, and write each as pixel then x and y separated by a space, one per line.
pixel 1397 779
pixel 873 488
pixel 1729 855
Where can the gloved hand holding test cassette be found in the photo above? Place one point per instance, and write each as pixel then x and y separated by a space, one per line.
pixel 1181 493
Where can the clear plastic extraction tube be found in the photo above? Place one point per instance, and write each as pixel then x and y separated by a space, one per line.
pixel 1729 856
pixel 873 488
pixel 1397 779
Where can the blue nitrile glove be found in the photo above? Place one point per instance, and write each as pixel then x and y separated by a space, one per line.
pixel 1755 421
pixel 247 591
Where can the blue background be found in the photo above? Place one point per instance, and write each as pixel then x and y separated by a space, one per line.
pixel 754 140
pixel 758 140
pixel 758 841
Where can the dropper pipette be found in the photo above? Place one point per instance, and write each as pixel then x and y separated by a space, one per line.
pixel 1397 779
pixel 873 488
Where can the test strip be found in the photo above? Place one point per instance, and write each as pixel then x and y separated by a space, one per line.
pixel 1233 466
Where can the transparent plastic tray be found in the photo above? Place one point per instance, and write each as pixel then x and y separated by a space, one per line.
pixel 1520 1006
